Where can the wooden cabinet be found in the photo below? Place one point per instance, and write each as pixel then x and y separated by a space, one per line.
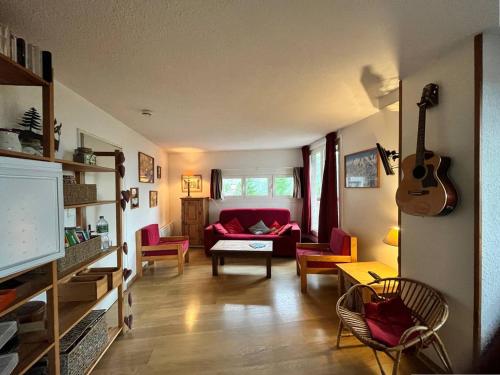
pixel 194 219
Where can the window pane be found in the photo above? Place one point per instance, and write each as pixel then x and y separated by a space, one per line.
pixel 232 187
pixel 283 186
pixel 257 186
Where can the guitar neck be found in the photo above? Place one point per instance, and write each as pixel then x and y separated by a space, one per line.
pixel 420 154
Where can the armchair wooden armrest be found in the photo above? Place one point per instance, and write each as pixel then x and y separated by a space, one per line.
pixel 174 238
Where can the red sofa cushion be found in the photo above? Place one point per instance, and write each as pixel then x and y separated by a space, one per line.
pixel 233 226
pixel 284 229
pixel 184 243
pixel 388 320
pixel 340 242
pixel 311 264
pixel 249 216
pixel 275 227
pixel 219 228
pixel 150 235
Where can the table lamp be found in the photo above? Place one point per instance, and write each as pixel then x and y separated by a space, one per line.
pixel 188 175
pixel 392 236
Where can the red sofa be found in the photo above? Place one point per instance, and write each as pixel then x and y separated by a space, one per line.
pixel 283 245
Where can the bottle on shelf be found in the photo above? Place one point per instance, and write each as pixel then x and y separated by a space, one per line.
pixel 102 229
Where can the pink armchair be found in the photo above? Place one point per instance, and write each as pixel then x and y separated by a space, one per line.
pixel 150 247
pixel 322 258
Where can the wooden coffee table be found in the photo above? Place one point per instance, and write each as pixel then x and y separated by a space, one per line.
pixel 240 249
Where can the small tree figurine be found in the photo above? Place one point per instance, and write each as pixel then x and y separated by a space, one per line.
pixel 31 120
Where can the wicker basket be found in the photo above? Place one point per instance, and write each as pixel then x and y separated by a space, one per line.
pixel 79 253
pixel 81 346
pixel 79 193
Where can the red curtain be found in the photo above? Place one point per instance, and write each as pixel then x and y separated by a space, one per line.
pixel 306 190
pixel 328 208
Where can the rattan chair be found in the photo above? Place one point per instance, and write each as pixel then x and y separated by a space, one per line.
pixel 428 308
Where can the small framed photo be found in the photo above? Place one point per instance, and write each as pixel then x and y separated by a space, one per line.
pixel 158 172
pixel 153 198
pixel 134 198
pixel 194 183
pixel 362 169
pixel 146 168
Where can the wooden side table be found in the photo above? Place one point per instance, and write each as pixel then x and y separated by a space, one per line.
pixel 357 273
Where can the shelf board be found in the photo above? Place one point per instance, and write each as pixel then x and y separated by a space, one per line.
pixel 70 313
pixel 12 73
pixel 69 165
pixel 40 285
pixel 66 275
pixel 98 203
pixel 22 155
pixel 31 353
pixel 113 333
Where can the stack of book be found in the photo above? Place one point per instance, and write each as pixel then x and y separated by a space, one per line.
pixel 75 235
pixel 26 54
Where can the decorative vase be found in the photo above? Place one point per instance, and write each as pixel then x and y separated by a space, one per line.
pixel 9 140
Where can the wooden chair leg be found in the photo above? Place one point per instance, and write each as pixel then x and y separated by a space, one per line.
pixel 396 363
pixel 180 262
pixel 378 362
pixel 298 268
pixel 186 256
pixel 303 274
pixel 442 353
pixel 339 333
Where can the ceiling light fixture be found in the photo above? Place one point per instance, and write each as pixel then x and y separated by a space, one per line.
pixel 146 112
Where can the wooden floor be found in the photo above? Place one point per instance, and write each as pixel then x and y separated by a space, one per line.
pixel 237 323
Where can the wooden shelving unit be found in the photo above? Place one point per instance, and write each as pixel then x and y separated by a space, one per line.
pixel 98 203
pixel 61 317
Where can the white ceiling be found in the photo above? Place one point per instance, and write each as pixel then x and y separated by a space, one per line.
pixel 222 75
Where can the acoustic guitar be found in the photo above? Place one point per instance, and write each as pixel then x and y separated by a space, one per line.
pixel 425 189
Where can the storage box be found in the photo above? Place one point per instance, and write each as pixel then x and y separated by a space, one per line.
pixel 83 288
pixel 79 193
pixel 79 253
pixel 81 346
pixel 113 274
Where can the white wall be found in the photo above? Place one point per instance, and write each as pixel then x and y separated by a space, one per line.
pixel 369 213
pixel 75 113
pixel 440 250
pixel 490 175
pixel 244 162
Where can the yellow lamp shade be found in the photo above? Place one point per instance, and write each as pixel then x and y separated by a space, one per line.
pixel 391 238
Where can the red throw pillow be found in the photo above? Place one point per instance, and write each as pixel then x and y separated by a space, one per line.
pixel 284 229
pixel 234 227
pixel 275 227
pixel 219 228
pixel 388 320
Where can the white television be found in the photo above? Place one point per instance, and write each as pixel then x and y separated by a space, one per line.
pixel 31 214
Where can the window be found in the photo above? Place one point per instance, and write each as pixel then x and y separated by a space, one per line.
pixel 317 159
pixel 283 186
pixel 232 187
pixel 256 186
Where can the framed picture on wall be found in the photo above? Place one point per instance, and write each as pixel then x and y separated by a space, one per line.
pixel 362 169
pixel 146 168
pixel 153 198
pixel 134 198
pixel 158 172
pixel 193 181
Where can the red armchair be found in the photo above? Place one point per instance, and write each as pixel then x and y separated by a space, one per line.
pixel 322 258
pixel 150 247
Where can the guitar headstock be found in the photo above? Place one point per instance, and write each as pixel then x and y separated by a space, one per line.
pixel 430 96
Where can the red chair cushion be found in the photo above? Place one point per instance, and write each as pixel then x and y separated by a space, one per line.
pixel 150 235
pixel 234 227
pixel 185 247
pixel 340 242
pixel 387 320
pixel 316 252
pixel 284 229
pixel 219 228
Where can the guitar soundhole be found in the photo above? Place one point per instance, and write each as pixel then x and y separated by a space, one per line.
pixel 419 172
